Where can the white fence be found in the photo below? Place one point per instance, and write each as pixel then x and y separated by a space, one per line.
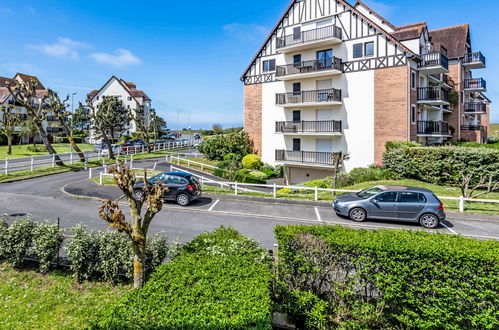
pixel 31 163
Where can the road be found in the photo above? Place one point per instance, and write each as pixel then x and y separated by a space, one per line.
pixel 43 198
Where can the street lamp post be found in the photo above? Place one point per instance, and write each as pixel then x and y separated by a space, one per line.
pixel 72 115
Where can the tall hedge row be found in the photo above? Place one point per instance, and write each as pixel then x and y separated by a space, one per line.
pixel 440 165
pixel 339 277
pixel 219 281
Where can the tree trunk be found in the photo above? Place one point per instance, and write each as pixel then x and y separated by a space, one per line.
pixel 139 259
pixel 9 143
pixel 72 141
pixel 109 145
pixel 47 143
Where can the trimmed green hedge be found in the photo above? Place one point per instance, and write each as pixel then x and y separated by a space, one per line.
pixel 341 277
pixel 441 165
pixel 219 281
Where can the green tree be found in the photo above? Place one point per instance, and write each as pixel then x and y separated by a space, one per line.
pixel 27 129
pixel 143 125
pixel 81 118
pixel 8 124
pixel 157 125
pixel 216 147
pixel 217 128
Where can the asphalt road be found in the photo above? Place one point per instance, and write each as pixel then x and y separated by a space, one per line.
pixel 43 198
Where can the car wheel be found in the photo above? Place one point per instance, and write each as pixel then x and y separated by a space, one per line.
pixel 430 221
pixel 138 194
pixel 358 214
pixel 183 200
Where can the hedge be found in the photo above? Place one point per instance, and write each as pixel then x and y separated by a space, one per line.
pixel 219 281
pixel 341 277
pixel 441 165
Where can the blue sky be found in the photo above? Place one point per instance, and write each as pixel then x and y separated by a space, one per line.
pixel 188 56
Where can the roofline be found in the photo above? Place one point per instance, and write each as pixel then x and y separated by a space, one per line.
pixel 346 4
pixel 451 27
pixel 122 85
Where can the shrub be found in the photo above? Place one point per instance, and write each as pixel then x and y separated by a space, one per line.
pixel 83 253
pixel 390 145
pixel 156 252
pixel 115 256
pixel 219 281
pixel 493 139
pixel 386 278
pixel 35 149
pixel 47 241
pixel 441 165
pixel 258 175
pixel 63 139
pixel 252 162
pixel 17 239
pixel 355 176
pixel 214 148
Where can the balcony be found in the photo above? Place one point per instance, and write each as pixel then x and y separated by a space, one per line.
pixel 316 158
pixel 433 128
pixel 309 69
pixel 328 35
pixel 325 127
pixel 309 98
pixel 54 129
pixel 475 108
pixel 475 85
pixel 474 60
pixel 433 63
pixel 435 95
pixel 473 128
pixel 51 118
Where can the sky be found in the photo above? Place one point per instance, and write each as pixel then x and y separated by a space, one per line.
pixel 187 56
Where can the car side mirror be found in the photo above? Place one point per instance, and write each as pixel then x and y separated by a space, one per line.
pixel 374 201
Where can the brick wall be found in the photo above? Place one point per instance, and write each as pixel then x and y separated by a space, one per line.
pixel 253 115
pixel 414 101
pixel 391 108
pixel 454 118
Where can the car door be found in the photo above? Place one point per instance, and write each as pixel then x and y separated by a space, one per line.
pixel 173 184
pixel 410 205
pixel 384 206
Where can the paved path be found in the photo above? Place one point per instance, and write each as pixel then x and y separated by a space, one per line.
pixel 42 197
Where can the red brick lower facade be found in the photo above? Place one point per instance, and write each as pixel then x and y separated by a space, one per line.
pixel 253 115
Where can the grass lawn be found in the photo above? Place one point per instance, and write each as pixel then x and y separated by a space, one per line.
pixel 30 300
pixel 184 162
pixel 494 129
pixel 109 180
pixel 19 151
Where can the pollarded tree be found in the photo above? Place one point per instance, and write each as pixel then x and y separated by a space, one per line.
pixel 138 226
pixel 25 94
pixel 157 125
pixel 143 125
pixel 58 109
pixel 9 123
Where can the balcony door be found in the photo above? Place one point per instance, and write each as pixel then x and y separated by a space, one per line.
pixel 324 86
pixel 297 60
pixel 296 116
pixel 325 58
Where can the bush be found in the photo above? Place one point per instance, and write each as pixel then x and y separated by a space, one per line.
pixel 214 148
pixel 47 241
pixel 491 139
pixel 83 253
pixel 35 149
pixel 64 139
pixel 252 162
pixel 357 175
pixel 115 256
pixel 386 278
pixel 441 165
pixel 258 175
pixel 219 281
pixel 16 240
pixel 390 145
pixel 156 252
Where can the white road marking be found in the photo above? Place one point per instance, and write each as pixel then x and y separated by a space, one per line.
pixel 318 215
pixel 212 206
pixel 450 229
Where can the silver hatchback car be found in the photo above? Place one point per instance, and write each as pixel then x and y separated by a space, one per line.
pixel 392 203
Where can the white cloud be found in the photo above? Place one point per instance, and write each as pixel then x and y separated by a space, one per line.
pixel 120 57
pixel 245 31
pixel 63 48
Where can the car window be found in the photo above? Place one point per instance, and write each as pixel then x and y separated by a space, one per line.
pixel 388 197
pixel 172 179
pixel 369 192
pixel 412 197
pixel 195 181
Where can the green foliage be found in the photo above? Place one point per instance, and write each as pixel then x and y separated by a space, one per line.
pixel 355 176
pixel 216 147
pixel 219 281
pixel 453 98
pixel 156 252
pixel 252 162
pixel 115 258
pixel 16 240
pixel 83 252
pixel 63 139
pixel 386 278
pixel 491 139
pixel 47 241
pixel 441 165
pixel 390 145
pixel 258 175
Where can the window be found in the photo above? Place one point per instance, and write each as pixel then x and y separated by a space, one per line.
pixel 297 33
pixel 296 144
pixel 369 48
pixel 129 98
pixel 325 58
pixel 413 114
pixel 296 116
pixel 269 65
pixel 97 97
pixel 296 88
pixel 413 80
pixel 357 50
pixel 324 23
pixel 412 197
pixel 388 197
pixel 297 60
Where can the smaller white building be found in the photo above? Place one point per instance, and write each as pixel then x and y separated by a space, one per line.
pixel 131 97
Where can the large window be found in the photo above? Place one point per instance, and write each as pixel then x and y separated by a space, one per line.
pixel 369 49
pixel 357 50
pixel 325 58
pixel 269 65
pixel 363 49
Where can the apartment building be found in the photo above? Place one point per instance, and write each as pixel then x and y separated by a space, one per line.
pixel 50 124
pixel 334 77
pixel 131 97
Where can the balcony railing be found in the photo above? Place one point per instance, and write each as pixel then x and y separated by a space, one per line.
pixel 475 83
pixel 432 60
pixel 473 128
pixel 326 32
pixel 54 129
pixel 52 118
pixel 433 127
pixel 309 66
pixel 311 157
pixel 472 107
pixel 435 93
pixel 325 126
pixel 321 95
pixel 476 57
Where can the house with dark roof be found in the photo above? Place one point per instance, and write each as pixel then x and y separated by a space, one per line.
pixel 128 93
pixel 337 77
